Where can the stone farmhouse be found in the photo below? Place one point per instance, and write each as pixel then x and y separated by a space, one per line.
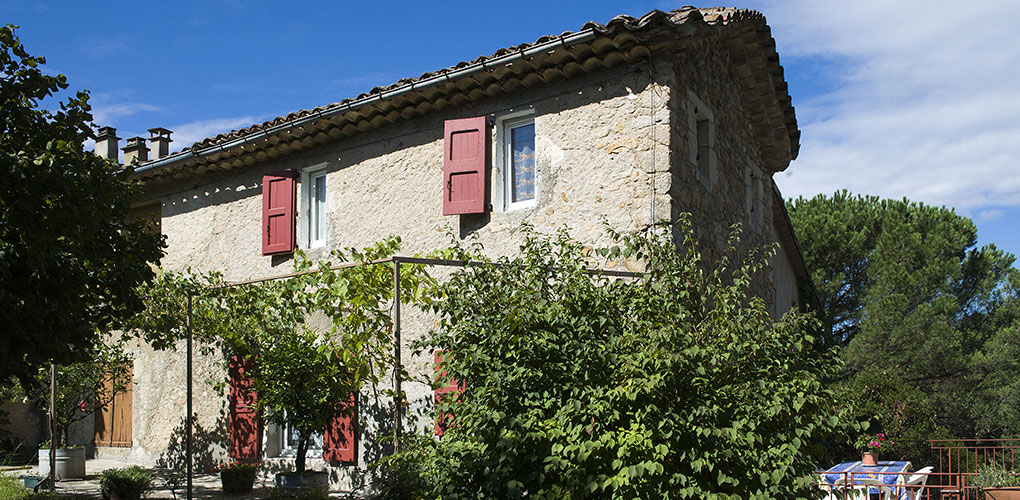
pixel 635 120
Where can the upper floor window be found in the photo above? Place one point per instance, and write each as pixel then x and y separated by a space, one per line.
pixel 754 204
pixel 317 209
pixel 701 140
pixel 519 176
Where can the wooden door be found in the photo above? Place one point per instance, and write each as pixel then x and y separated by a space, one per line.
pixel 113 424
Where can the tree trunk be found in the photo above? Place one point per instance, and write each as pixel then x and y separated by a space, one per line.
pixel 302 450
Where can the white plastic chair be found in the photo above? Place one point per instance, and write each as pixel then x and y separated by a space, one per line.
pixel 915 485
pixel 861 489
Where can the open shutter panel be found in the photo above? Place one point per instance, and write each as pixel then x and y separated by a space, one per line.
pixel 338 443
pixel 279 192
pixel 464 152
pixel 244 421
pixel 453 388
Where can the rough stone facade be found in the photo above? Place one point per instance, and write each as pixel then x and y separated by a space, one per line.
pixel 616 144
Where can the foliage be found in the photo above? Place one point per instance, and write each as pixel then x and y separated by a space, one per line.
pixel 11 488
pixel 401 476
pixel 995 475
pixel 302 494
pixel 580 385
pixel 71 258
pixel 235 466
pixel 874 443
pixel 305 372
pixel 172 471
pixel 126 483
pixel 928 324
pixel 80 387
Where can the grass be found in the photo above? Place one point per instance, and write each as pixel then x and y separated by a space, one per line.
pixel 12 488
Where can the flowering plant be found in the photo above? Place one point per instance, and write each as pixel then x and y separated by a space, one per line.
pixel 869 443
pixel 236 466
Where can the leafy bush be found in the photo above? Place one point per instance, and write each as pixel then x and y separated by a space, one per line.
pixel 304 494
pixel 995 476
pixel 579 385
pixel 11 488
pixel 128 483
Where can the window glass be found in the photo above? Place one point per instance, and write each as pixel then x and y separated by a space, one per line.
pixel 318 209
pixel 316 205
pixel 291 438
pixel 522 163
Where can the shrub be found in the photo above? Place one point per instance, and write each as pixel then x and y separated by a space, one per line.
pixel 129 483
pixel 11 488
pixel 678 384
pixel 995 476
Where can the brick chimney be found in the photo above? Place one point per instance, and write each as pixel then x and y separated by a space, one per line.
pixel 159 142
pixel 107 142
pixel 135 151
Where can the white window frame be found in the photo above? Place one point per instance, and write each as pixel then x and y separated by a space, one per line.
pixel 279 432
pixel 701 140
pixel 505 126
pixel 311 210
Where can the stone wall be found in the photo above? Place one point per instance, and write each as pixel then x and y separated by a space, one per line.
pixel 736 192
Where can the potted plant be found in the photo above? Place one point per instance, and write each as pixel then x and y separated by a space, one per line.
pixel 129 483
pixel 80 392
pixel 997 482
pixel 237 477
pixel 870 445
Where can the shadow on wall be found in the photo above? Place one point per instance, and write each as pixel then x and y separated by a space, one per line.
pixel 208 446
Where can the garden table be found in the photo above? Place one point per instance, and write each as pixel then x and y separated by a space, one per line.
pixel 892 473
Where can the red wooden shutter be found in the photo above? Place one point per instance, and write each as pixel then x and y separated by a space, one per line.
pixel 279 192
pixel 465 149
pixel 338 443
pixel 444 420
pixel 244 421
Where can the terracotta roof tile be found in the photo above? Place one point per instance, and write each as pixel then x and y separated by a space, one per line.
pixel 715 15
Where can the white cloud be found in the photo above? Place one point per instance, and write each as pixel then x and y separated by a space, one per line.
pixel 107 114
pixel 923 102
pixel 187 134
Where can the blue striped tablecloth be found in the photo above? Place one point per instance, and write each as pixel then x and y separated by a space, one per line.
pixel 857 470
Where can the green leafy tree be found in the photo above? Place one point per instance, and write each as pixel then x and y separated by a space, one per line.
pixel 82 388
pixel 927 323
pixel 579 385
pixel 70 257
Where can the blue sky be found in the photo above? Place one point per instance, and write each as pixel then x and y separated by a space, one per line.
pixel 916 99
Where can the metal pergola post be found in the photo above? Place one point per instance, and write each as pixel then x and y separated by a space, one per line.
pixel 398 399
pixel 188 423
pixel 398 363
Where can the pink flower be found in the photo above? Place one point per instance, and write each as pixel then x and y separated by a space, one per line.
pixel 82 405
pixel 881 437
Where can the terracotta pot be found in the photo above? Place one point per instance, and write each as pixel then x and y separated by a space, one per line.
pixel 869 458
pixel 1002 493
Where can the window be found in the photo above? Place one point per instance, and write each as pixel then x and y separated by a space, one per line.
pixel 289 438
pixel 701 139
pixel 317 210
pixel 518 163
pixel 753 197
pixel 314 215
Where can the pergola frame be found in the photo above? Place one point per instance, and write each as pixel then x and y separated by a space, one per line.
pixel 398 391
